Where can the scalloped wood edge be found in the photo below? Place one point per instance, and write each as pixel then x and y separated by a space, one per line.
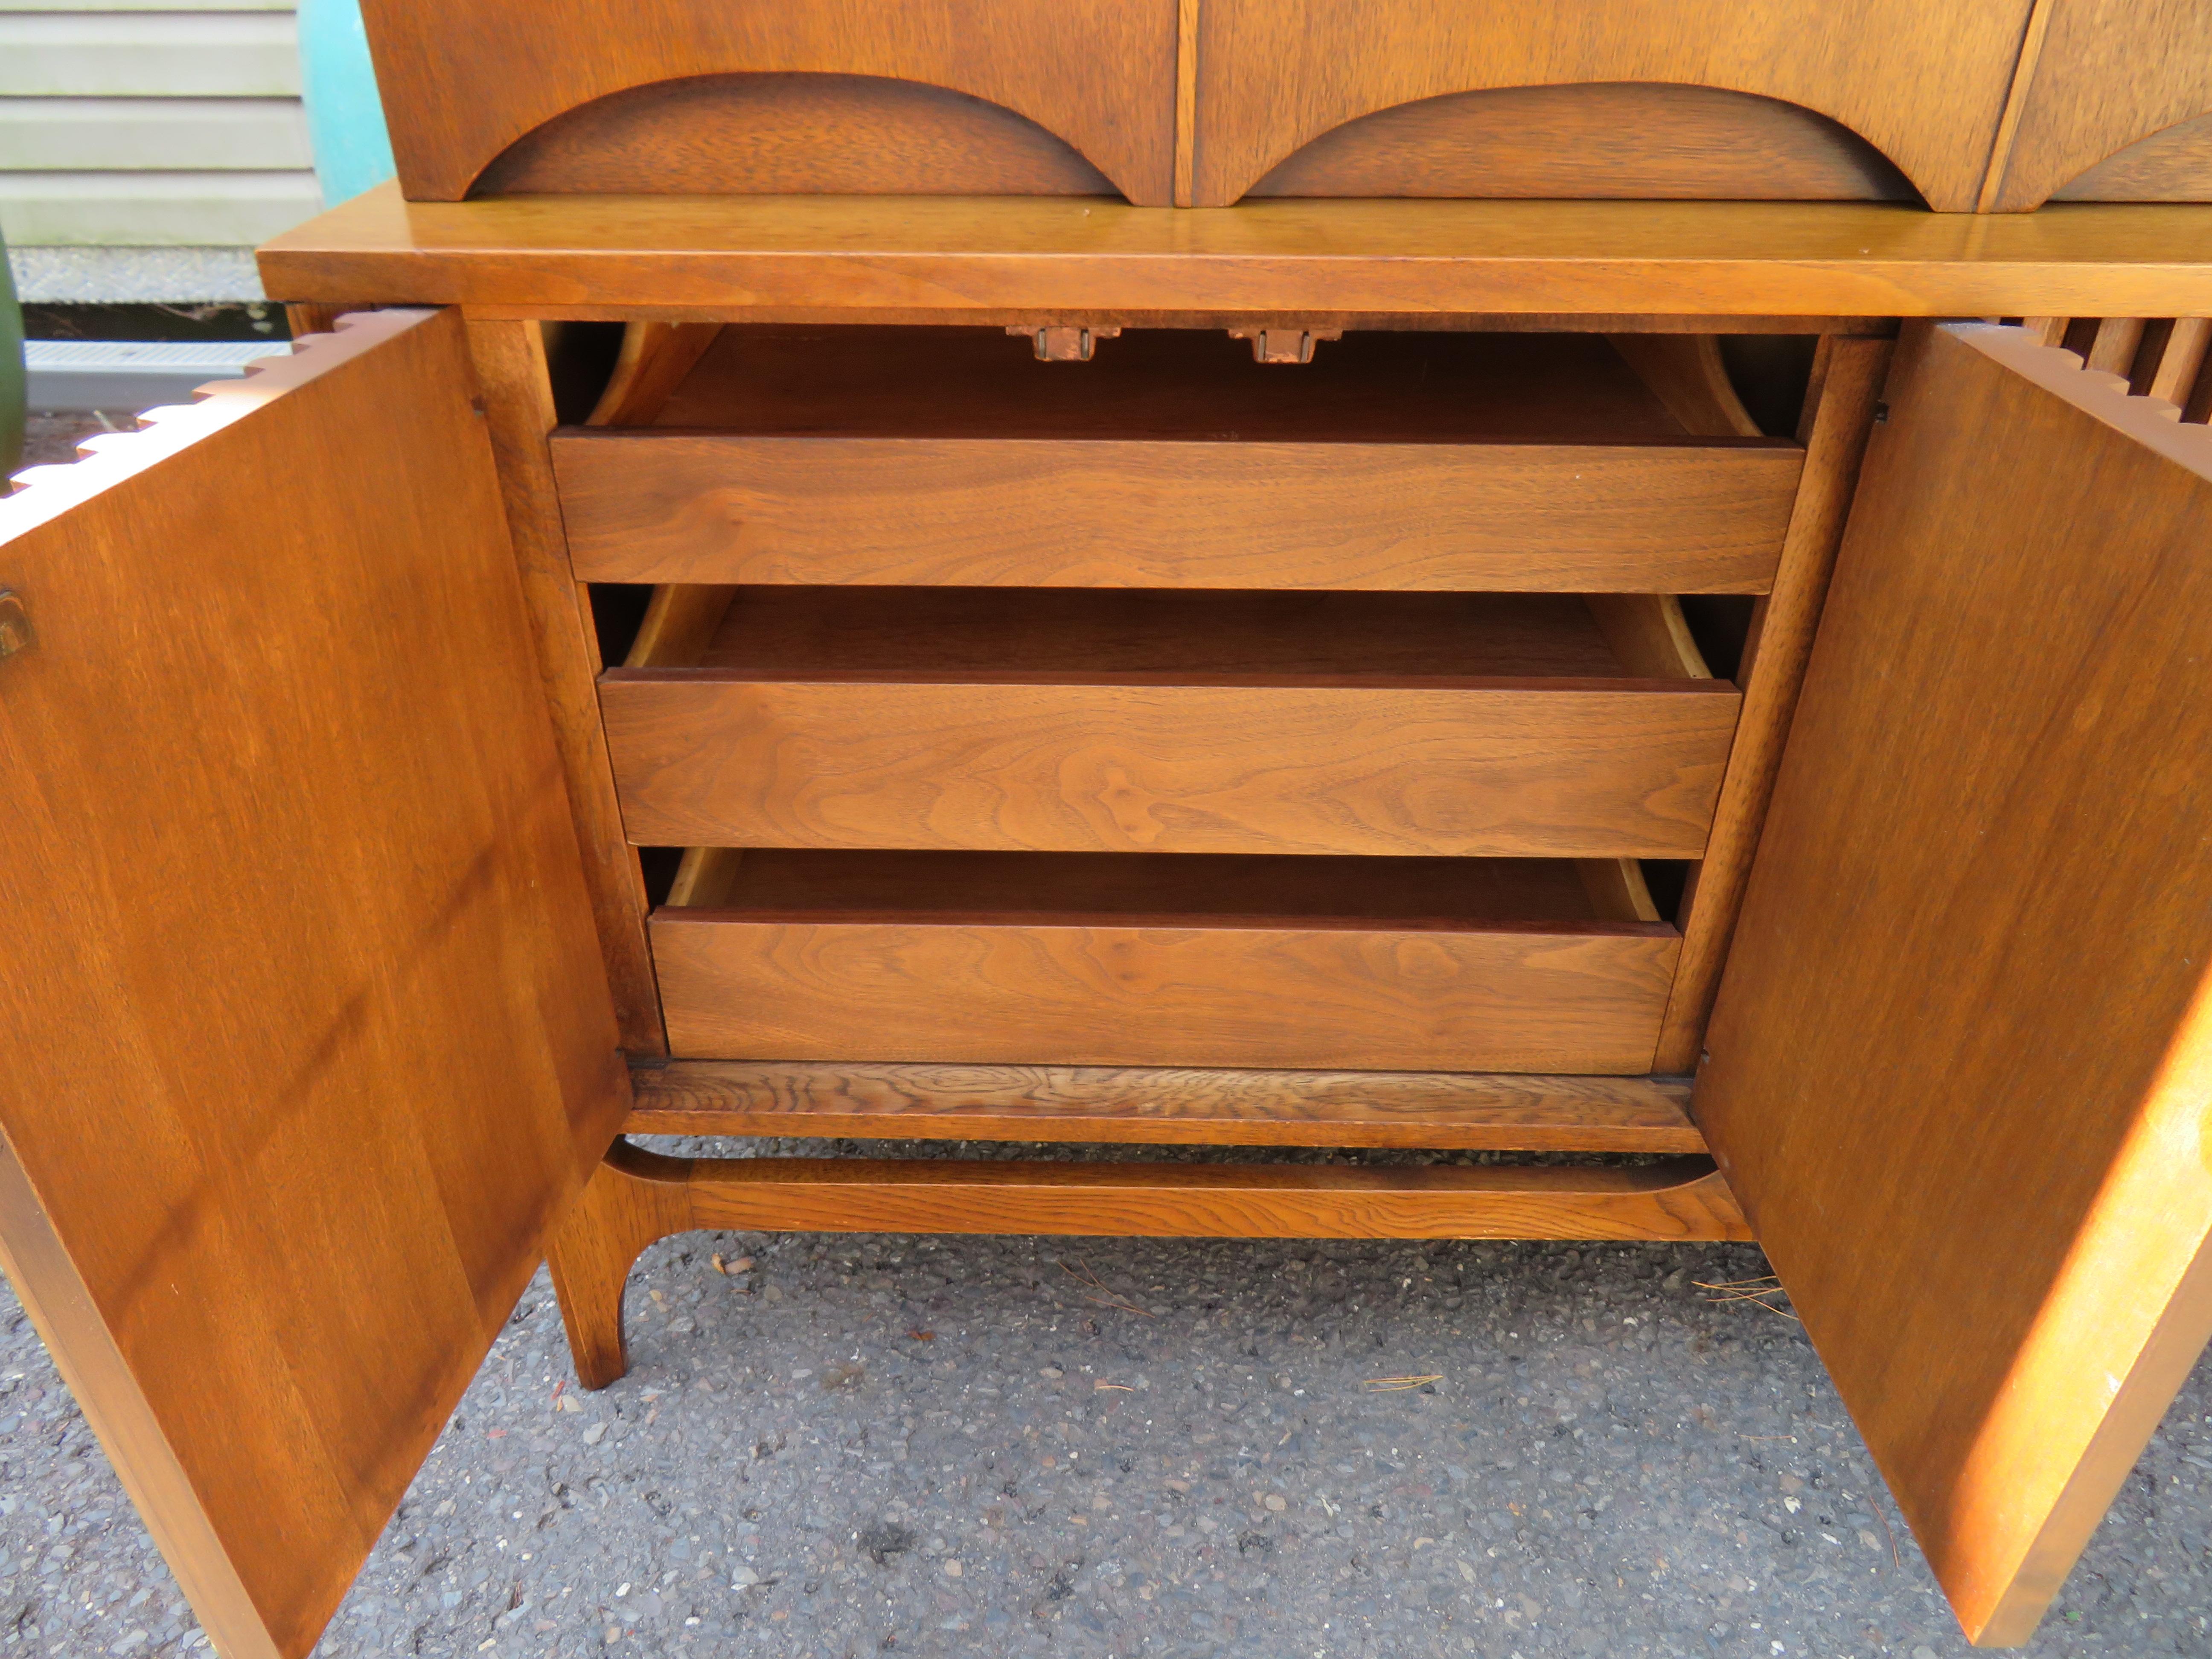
pixel 2152 420
pixel 109 458
pixel 636 1196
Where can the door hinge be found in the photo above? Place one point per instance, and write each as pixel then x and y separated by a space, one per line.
pixel 1284 345
pixel 1061 343
pixel 15 633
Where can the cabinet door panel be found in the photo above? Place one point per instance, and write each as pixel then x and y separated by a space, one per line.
pixel 854 83
pixel 1924 85
pixel 308 1036
pixel 1961 1065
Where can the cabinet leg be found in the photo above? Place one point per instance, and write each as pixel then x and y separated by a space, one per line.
pixel 634 1197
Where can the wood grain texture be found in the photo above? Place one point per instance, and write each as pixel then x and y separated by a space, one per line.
pixel 1617 890
pixel 1142 720
pixel 654 359
pixel 1685 371
pixel 1519 769
pixel 1605 140
pixel 995 261
pixel 464 82
pixel 2172 165
pixel 638 1196
pixel 777 135
pixel 1648 634
pixel 2110 75
pixel 1195 385
pixel 592 1251
pixel 705 875
pixel 1966 1013
pixel 680 623
pixel 1680 1200
pixel 1502 1112
pixel 701 508
pixel 1122 959
pixel 1924 85
pixel 2178 360
pixel 1839 413
pixel 1140 636
pixel 292 975
pixel 509 363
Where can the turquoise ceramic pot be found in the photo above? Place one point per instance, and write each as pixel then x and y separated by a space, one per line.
pixel 345 119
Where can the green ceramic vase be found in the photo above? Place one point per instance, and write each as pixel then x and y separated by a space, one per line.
pixel 11 372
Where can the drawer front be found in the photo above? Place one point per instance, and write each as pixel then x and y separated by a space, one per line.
pixel 1513 518
pixel 1102 767
pixel 980 991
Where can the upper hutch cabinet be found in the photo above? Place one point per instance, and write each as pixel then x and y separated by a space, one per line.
pixel 939 97
pixel 1876 100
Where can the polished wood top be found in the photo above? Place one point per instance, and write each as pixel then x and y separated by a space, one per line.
pixel 982 260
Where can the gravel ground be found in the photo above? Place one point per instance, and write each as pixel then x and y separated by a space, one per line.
pixel 50 438
pixel 862 1445
pixel 121 275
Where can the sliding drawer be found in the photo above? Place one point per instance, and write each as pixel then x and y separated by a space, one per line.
pixel 1499 965
pixel 1528 463
pixel 1133 720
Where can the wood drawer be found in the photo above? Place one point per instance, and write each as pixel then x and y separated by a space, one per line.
pixel 1490 725
pixel 1527 463
pixel 1149 960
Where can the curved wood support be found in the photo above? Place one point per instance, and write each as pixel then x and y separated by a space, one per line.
pixel 1616 140
pixel 1926 87
pixel 2114 108
pixel 791 134
pixel 653 360
pixel 634 1197
pixel 467 79
pixel 637 1197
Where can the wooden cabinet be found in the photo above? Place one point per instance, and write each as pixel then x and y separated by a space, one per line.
pixel 1868 98
pixel 1039 667
pixel 300 966
pixel 983 97
pixel 1964 107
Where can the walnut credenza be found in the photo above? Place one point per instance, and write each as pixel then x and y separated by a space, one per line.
pixel 1716 686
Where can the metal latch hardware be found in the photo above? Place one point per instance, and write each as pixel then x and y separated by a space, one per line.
pixel 1061 343
pixel 14 624
pixel 1284 345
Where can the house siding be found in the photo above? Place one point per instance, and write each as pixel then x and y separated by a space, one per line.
pixel 151 124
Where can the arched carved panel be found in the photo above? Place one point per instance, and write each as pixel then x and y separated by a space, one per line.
pixel 465 80
pixel 2113 112
pixel 1924 83
pixel 1610 141
pixel 2172 165
pixel 792 135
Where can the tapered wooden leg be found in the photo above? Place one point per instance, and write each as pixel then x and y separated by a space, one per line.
pixel 635 1198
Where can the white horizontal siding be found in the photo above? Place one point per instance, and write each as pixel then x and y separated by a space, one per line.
pixel 148 54
pixel 151 124
pixel 80 135
pixel 145 5
pixel 149 209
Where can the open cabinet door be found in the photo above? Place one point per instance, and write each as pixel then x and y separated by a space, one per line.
pixel 307 1034
pixel 1960 1070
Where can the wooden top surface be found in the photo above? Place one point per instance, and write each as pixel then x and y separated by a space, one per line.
pixel 967 258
